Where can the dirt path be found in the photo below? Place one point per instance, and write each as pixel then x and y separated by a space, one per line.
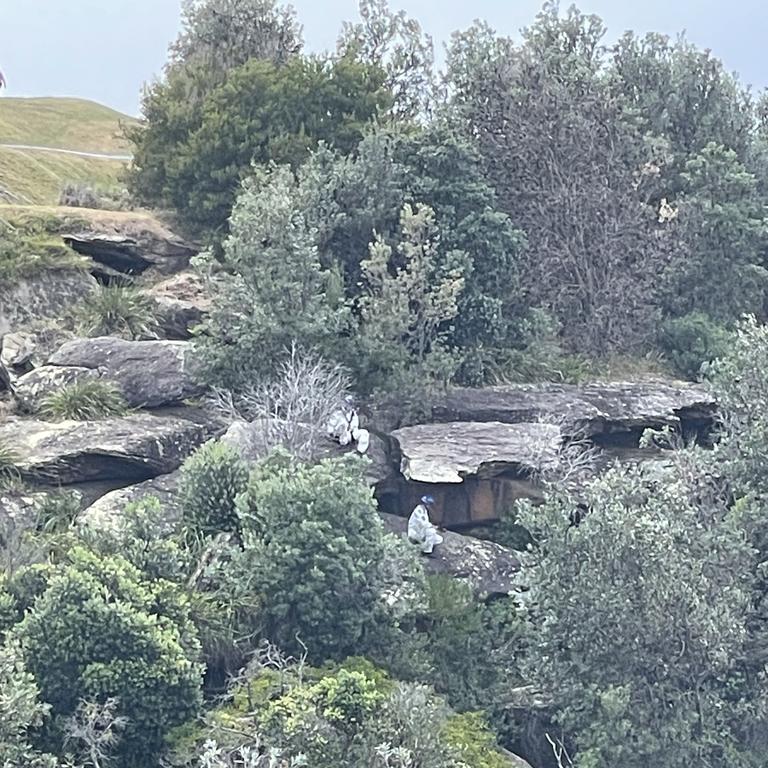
pixel 94 155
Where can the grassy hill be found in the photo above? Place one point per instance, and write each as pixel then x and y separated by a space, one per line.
pixel 36 176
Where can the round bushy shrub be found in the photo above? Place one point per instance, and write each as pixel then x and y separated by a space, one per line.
pixel 692 340
pixel 211 479
pixel 100 630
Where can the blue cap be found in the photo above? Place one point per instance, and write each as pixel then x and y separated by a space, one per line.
pixel 428 499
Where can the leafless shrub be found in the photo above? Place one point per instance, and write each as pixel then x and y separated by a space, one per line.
pixel 576 461
pixel 291 410
pixel 93 732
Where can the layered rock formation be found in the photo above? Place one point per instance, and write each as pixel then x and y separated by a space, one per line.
pixel 149 373
pixel 485 447
pixel 123 450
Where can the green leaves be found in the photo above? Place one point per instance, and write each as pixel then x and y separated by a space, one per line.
pixel 100 631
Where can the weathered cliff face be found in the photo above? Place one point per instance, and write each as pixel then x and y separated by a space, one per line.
pixel 40 297
pixel 129 244
pixel 486 447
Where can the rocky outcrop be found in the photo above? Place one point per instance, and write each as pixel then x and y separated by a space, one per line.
pixel 591 409
pixel 127 449
pixel 130 244
pixel 149 373
pixel 450 452
pixel 105 512
pixel 489 568
pixel 485 446
pixel 180 304
pixel 34 387
pixel 48 295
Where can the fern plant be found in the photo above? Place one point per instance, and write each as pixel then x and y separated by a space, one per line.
pixel 84 401
pixel 117 310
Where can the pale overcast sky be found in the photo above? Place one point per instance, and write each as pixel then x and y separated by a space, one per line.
pixel 105 49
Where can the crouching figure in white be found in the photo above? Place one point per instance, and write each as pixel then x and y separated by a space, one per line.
pixel 420 528
pixel 344 427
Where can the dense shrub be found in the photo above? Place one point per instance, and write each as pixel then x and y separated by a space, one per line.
pixel 692 340
pixel 211 480
pixel 314 544
pixel 100 631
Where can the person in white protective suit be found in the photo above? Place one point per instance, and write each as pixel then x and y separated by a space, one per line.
pixel 344 427
pixel 420 528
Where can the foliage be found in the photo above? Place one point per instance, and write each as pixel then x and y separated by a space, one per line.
pixel 395 44
pixel 313 544
pixel 409 297
pixel 87 400
pixel 211 479
pixel 352 715
pixel 225 34
pixel 144 537
pixel 116 310
pixel 472 647
pixel 276 292
pixel 724 233
pixel 99 630
pixel 683 95
pixel 469 736
pixel 9 473
pixel 21 711
pixel 691 341
pixel 193 156
pixel 593 254
pixel 641 645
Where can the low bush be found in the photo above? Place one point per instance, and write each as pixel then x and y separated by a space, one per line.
pixel 84 401
pixel 692 340
pixel 211 480
pixel 117 310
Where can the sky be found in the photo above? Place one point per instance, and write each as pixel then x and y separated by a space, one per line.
pixel 106 50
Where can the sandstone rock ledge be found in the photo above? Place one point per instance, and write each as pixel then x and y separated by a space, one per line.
pixel 126 449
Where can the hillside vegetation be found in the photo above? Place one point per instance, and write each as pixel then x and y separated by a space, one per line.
pixel 37 176
pixel 432 268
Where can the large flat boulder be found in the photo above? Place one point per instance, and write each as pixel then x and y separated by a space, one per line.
pixel 592 409
pixel 487 567
pixel 450 452
pixel 149 373
pixel 127 449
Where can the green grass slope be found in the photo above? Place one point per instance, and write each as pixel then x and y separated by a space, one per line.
pixel 36 177
pixel 76 124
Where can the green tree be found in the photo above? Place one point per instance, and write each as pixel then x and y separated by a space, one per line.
pixel 565 160
pixel 394 43
pixel 194 157
pixel 225 34
pixel 272 291
pixel 20 712
pixel 98 631
pixel 683 95
pixel 409 298
pixel 724 229
pixel 640 614
pixel 314 546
